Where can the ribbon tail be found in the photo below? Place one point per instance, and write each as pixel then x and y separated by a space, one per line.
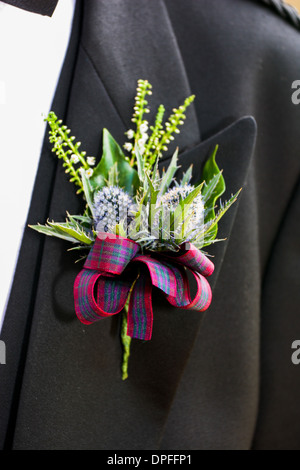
pixel 140 313
pixel 202 298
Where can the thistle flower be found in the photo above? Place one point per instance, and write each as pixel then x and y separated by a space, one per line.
pixel 193 217
pixel 111 206
pixel 173 196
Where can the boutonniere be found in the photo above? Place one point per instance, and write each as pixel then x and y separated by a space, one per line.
pixel 141 226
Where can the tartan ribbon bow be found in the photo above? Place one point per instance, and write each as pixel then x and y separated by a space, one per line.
pixel 114 269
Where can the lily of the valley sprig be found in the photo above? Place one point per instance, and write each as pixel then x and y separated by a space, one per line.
pixel 151 147
pixel 126 195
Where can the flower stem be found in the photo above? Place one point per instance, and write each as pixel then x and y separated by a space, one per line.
pixel 126 341
pixel 65 149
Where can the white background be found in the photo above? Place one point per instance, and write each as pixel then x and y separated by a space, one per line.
pixel 32 49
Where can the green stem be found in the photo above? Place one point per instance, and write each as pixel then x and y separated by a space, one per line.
pixel 154 138
pixel 73 147
pixel 126 341
pixel 175 120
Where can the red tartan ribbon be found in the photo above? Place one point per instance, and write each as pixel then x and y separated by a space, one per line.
pixel 114 267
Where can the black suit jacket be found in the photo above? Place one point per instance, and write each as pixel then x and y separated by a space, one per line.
pixel 223 380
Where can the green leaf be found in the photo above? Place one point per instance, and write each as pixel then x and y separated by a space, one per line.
pixel 209 188
pixel 214 188
pixel 153 192
pixel 70 231
pixel 187 176
pixel 79 247
pixel 120 230
pixel 140 164
pixel 155 174
pixel 113 176
pixel 209 232
pixel 87 191
pixel 181 236
pixel 82 218
pixel 74 231
pixel 53 232
pixel 182 209
pixel 153 210
pixel 138 216
pixel 206 242
pixel 169 174
pixel 112 153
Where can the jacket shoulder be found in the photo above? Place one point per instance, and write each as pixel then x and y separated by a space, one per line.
pixel 287 12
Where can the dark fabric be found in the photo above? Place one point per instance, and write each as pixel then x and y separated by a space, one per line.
pixel 279 410
pixel 204 381
pixel 42 7
pixel 285 10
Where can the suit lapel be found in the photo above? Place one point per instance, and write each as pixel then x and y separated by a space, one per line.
pixel 131 40
pixel 46 7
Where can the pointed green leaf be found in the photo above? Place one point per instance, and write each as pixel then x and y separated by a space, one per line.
pixel 75 231
pixel 153 192
pixel 187 176
pixel 79 247
pixel 215 189
pixel 139 163
pixel 169 174
pixel 88 193
pixel 182 209
pixel 182 235
pixel 112 153
pixel 210 232
pixel 155 174
pixel 86 221
pixel 113 176
pixel 210 171
pixel 138 216
pixel 209 188
pixel 52 232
